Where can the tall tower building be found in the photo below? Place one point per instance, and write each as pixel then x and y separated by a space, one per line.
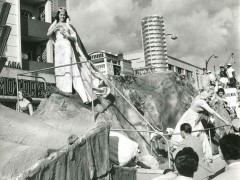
pixel 154 42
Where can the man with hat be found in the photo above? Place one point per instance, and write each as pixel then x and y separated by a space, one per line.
pixel 231 76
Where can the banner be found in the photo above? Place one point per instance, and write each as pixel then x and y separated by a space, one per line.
pixel 34 89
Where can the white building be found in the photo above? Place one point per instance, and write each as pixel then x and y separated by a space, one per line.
pixel 136 57
pixel 191 71
pixel 111 64
pixel 154 42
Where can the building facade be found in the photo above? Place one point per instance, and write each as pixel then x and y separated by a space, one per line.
pixel 154 42
pixel 110 64
pixel 27 48
pixel 191 71
pixel 136 57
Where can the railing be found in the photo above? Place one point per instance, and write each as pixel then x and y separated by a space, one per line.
pixel 128 101
pixel 104 77
pixel 44 69
pixel 170 134
pixel 156 132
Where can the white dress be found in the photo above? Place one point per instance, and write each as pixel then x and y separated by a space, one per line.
pixel 68 76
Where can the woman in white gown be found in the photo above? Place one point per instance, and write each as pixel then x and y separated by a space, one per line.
pixel 192 115
pixel 69 49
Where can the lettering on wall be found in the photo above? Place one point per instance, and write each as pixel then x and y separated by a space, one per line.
pixel 139 72
pixel 34 89
pixel 13 64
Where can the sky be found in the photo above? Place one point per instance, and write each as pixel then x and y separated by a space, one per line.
pixel 203 27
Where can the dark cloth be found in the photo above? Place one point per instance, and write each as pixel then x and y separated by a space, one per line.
pixel 99 151
pixel 123 173
pixel 80 44
pixel 232 82
pixel 85 160
pixel 223 74
pixel 113 150
pixel 89 72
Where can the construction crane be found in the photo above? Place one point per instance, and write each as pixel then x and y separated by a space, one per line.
pixel 231 59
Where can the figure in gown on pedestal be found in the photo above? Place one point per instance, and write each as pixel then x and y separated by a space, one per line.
pixel 69 49
pixel 192 115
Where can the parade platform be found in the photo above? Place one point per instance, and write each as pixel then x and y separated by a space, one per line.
pixel 59 146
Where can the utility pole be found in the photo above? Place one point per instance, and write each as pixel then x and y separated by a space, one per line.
pixel 214 55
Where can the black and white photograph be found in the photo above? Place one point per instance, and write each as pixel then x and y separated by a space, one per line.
pixel 119 90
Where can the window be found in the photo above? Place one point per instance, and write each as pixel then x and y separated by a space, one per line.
pixel 43 50
pixel 170 67
pixel 179 70
pixel 41 15
pixel 26 14
pixel 189 74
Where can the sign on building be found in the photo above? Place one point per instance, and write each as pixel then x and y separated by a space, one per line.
pixel 34 89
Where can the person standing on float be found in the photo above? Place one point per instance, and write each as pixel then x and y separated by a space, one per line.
pixel 69 49
pixel 231 76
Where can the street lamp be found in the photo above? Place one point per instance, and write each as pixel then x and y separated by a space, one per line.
pixel 173 37
pixel 214 55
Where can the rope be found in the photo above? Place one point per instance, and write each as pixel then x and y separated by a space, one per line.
pixel 170 134
pixel 124 98
pixel 152 119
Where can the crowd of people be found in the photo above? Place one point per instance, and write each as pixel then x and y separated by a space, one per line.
pixel 188 162
pixel 192 147
pixel 226 77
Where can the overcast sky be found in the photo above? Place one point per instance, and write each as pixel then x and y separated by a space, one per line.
pixel 203 27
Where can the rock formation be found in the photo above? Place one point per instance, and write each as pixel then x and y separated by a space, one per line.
pixel 59 120
pixel 161 98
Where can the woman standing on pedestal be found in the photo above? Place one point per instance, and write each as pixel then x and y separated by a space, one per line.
pixel 68 50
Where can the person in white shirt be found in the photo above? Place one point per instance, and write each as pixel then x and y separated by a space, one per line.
pixel 230 152
pixel 231 76
pixel 211 78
